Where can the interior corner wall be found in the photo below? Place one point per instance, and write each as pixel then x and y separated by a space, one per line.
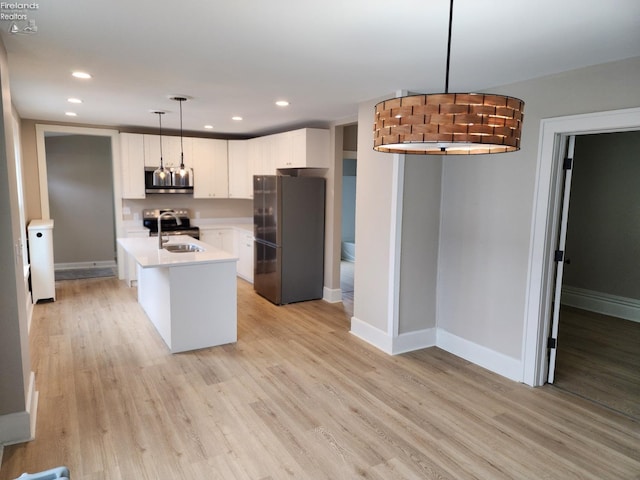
pixel 419 243
pixel 487 214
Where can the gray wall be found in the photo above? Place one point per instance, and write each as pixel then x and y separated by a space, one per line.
pixel 488 203
pixel 419 243
pixel 15 363
pixel 486 215
pixel 349 166
pixel 80 181
pixel 603 236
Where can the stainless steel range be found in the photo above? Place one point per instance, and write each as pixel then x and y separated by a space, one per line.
pixel 169 224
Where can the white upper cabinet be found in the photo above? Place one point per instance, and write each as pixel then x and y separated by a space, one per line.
pixel 262 157
pixel 210 171
pixel 304 148
pixel 132 159
pixel 171 149
pixel 240 171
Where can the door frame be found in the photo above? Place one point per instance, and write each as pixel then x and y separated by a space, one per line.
pixel 114 135
pixel 554 133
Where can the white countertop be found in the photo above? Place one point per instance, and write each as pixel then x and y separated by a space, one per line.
pixel 146 253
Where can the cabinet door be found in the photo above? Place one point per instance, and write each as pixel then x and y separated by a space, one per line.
pixel 310 148
pixel 284 150
pixel 221 238
pixel 244 247
pixel 240 174
pixel 210 171
pixel 132 159
pixel 170 151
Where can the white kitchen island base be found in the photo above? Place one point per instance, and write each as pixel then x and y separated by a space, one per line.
pixel 191 306
pixel 190 297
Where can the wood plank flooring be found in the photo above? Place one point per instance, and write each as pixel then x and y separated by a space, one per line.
pixel 297 397
pixel 599 359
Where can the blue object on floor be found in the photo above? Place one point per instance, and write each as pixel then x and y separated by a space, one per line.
pixel 58 473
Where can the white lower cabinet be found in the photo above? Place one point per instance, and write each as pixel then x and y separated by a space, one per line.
pixel 222 238
pixel 244 245
pixel 234 240
pixel 130 270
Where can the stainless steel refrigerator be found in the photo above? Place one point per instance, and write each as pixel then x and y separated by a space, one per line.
pixel 289 237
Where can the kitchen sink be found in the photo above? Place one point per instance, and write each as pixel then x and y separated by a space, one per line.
pixel 183 248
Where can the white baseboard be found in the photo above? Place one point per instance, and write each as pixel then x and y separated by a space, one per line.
pixel 408 342
pixel 74 265
pixel 20 427
pixel 372 335
pixel 496 362
pixel 332 295
pixel 612 305
pixel 405 342
pixel 491 360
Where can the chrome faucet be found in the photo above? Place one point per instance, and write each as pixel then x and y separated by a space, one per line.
pixel 161 242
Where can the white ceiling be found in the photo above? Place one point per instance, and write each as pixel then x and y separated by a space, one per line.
pixel 236 57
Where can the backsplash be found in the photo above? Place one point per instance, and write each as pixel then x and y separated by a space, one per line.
pixel 199 208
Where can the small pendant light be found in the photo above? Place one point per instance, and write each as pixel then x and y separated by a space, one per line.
pixel 161 176
pixel 448 123
pixel 181 177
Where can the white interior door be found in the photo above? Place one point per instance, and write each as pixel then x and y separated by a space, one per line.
pixel 552 343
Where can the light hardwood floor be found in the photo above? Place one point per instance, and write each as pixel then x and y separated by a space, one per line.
pixel 297 397
pixel 599 359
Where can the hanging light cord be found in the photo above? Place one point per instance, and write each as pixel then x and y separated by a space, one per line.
pixel 160 119
pixel 181 146
pixel 446 80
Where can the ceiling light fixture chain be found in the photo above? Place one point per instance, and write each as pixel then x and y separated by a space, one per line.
pixel 448 123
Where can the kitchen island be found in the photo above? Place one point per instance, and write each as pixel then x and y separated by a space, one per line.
pixel 189 296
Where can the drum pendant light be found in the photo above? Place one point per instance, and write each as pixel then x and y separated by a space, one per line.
pixel 161 176
pixel 181 177
pixel 448 123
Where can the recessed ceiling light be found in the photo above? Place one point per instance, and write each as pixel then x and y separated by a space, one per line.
pixel 74 100
pixel 81 75
pixel 282 103
pixel 208 127
pixel 237 119
pixel 71 114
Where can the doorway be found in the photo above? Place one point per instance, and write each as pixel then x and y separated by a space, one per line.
pixel 546 214
pixel 80 187
pixel 599 317
pixel 348 235
pixel 81 145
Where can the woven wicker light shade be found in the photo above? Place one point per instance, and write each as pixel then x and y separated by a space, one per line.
pixel 448 124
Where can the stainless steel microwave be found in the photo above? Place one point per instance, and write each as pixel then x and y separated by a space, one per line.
pixel 150 188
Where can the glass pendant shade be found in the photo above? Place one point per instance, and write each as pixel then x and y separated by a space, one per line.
pixel 161 177
pixel 181 176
